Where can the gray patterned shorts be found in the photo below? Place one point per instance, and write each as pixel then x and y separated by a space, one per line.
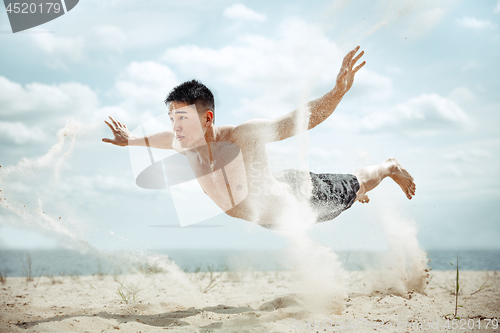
pixel 331 193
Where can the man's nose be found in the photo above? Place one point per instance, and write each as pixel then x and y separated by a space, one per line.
pixel 176 126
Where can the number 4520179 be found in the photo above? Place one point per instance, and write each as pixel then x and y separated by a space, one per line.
pixel 27 8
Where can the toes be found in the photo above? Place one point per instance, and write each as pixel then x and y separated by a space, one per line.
pixel 411 190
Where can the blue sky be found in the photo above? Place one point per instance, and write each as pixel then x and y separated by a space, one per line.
pixel 428 96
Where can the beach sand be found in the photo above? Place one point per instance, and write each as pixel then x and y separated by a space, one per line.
pixel 238 302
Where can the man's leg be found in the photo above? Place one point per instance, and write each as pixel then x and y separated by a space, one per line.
pixel 369 177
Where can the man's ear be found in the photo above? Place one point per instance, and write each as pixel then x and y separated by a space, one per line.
pixel 209 117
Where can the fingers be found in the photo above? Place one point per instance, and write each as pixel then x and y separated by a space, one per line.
pixel 348 59
pixel 117 123
pixel 108 140
pixel 342 75
pixel 359 67
pixel 357 58
pixel 111 126
pixel 114 121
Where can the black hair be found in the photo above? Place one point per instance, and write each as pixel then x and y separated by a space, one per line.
pixel 193 92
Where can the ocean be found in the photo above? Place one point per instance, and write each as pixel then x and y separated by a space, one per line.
pixel 16 263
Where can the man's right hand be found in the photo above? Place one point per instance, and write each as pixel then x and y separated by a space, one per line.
pixel 121 133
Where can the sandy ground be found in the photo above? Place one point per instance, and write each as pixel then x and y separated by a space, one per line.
pixel 239 302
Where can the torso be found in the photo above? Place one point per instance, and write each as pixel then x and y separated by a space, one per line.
pixel 241 186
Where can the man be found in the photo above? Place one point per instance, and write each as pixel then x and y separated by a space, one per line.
pixel 230 162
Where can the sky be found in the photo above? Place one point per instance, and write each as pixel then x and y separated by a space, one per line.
pixel 428 95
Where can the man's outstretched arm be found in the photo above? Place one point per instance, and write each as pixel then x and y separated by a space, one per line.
pixel 323 107
pixel 265 130
pixel 123 137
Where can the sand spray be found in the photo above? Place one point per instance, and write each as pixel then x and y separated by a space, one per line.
pixel 402 268
pixel 31 199
pixel 320 281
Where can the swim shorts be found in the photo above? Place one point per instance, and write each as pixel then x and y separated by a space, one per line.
pixel 331 194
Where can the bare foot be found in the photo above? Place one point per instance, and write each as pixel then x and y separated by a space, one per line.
pixel 363 198
pixel 401 177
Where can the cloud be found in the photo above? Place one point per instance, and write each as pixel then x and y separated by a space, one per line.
pixel 110 37
pixel 425 114
pixel 19 133
pixel 497 7
pixel 474 23
pixel 461 95
pixel 241 12
pixel 144 86
pixel 371 85
pixel 61 50
pixel 473 160
pixel 468 155
pixel 424 20
pixel 298 53
pixel 275 74
pixel 94 186
pixel 37 101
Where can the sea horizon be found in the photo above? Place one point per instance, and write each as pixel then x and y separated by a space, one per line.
pixel 14 262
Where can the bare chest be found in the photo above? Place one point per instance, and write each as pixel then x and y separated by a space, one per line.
pixel 224 179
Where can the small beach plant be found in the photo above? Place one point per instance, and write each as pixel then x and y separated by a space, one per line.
pixel 99 273
pixel 128 294
pixel 3 276
pixel 27 271
pixel 148 268
pixel 212 278
pixel 457 290
pixel 482 286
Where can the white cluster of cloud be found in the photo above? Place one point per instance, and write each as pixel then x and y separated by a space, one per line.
pixel 275 75
pixel 144 85
pixel 425 114
pixel 468 155
pixel 298 54
pixel 18 133
pixel 60 50
pixel 242 12
pixel 141 89
pixel 27 111
pixel 37 101
pixel 97 185
pixel 472 161
pixel 497 7
pixel 110 37
pixel 475 23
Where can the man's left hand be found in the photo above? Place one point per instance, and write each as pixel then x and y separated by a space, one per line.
pixel 345 78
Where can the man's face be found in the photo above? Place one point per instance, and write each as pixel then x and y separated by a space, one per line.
pixel 186 124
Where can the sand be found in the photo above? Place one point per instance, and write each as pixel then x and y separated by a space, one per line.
pixel 238 302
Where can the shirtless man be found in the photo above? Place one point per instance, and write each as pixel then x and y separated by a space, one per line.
pixel 230 162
